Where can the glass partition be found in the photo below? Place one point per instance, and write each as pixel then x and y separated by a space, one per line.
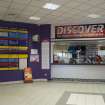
pixel 79 52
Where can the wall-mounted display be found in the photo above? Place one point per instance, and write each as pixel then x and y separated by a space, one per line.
pixel 21 64
pixel 34 58
pixel 13 49
pixel 35 38
pixel 79 52
pixel 34 51
pixel 45 55
pixel 4 34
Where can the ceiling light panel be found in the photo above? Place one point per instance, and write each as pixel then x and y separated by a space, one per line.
pixel 94 16
pixel 51 6
pixel 34 18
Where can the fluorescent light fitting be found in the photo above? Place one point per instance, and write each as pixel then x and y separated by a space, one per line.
pixel 51 6
pixel 94 16
pixel 34 18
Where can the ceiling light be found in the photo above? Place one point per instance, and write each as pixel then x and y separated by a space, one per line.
pixel 94 16
pixel 34 18
pixel 51 6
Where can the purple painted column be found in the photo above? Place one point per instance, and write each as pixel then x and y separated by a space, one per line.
pixel 44 33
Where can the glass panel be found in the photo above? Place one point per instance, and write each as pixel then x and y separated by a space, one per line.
pixel 79 52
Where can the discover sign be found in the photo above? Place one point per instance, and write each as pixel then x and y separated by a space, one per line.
pixel 80 31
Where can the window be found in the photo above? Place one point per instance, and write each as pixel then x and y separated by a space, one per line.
pixel 79 52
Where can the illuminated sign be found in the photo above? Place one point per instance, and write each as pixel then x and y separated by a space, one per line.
pixel 80 31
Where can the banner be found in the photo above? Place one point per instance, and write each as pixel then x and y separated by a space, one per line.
pixel 27 75
pixel 80 31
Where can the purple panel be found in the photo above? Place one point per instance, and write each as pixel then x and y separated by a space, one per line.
pixel 16 75
pixel 11 76
pixel 44 32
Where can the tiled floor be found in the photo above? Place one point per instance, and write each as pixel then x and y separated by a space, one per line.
pixel 43 93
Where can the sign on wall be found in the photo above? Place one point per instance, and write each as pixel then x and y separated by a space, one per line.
pixel 27 75
pixel 45 55
pixel 80 31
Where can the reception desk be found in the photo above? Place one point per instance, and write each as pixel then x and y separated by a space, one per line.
pixel 78 71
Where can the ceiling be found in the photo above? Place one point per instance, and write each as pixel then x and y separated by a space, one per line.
pixel 70 11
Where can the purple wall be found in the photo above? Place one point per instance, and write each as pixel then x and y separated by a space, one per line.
pixel 44 31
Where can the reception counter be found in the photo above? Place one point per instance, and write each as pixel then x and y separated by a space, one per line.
pixel 78 71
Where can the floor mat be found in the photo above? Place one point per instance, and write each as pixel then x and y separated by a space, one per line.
pixel 79 98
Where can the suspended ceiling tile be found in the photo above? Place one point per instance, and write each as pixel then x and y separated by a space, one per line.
pixel 72 4
pixel 60 2
pixel 17 6
pixel 3 9
pixel 71 11
pixel 22 1
pixel 4 3
pixel 38 3
pixel 29 10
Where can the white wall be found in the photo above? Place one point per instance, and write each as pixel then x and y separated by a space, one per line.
pixel 78 71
